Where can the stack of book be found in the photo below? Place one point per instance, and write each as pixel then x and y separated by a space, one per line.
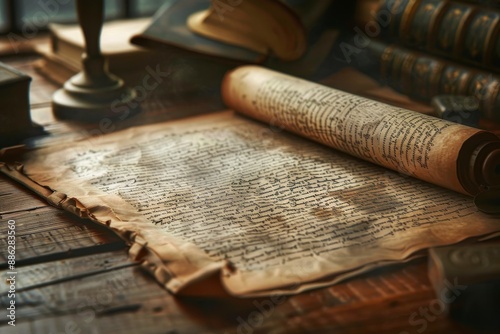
pixel 425 48
pixel 61 59
pixel 292 36
pixel 161 75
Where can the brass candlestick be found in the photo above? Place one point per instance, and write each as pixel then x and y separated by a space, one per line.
pixel 93 94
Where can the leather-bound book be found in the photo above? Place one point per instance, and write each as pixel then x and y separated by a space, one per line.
pixel 423 76
pixel 460 31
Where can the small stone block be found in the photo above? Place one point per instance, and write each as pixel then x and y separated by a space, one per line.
pixel 15 118
pixel 466 280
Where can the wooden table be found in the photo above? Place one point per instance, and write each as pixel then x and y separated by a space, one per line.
pixel 74 277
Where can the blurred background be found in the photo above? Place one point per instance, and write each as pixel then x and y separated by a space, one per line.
pixel 13 13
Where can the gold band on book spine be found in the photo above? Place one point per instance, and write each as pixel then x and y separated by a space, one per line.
pixel 478 37
pixel 385 63
pixel 460 33
pixel 489 51
pixel 434 23
pixel 457 30
pixel 422 23
pixel 406 18
pixel 455 80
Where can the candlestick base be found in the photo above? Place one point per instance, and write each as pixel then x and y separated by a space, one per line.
pixel 93 104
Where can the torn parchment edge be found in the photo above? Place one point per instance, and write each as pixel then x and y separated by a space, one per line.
pixel 139 249
pixel 229 278
pixel 170 263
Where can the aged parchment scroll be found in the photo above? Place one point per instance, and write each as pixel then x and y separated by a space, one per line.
pixel 451 155
pixel 267 211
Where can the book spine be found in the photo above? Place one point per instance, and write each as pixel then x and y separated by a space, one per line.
pixel 484 3
pixel 397 13
pixel 420 25
pixel 458 31
pixel 422 77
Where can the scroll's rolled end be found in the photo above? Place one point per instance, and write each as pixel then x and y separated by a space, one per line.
pixel 488 200
pixel 486 165
pixel 478 164
pixel 491 169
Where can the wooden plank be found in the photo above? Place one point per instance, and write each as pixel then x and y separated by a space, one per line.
pixel 14 197
pixel 114 291
pixel 45 233
pixel 48 233
pixel 379 302
pixel 110 300
pixel 399 315
pixel 9 47
pixel 49 273
pixel 60 287
pixel 131 322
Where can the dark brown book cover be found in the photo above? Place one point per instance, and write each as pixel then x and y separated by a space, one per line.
pixel 420 27
pixel 169 32
pixel 486 88
pixel 422 76
pixel 480 36
pixel 451 27
pixel 495 58
pixel 460 31
pixel 398 12
pixel 455 80
pixel 15 117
